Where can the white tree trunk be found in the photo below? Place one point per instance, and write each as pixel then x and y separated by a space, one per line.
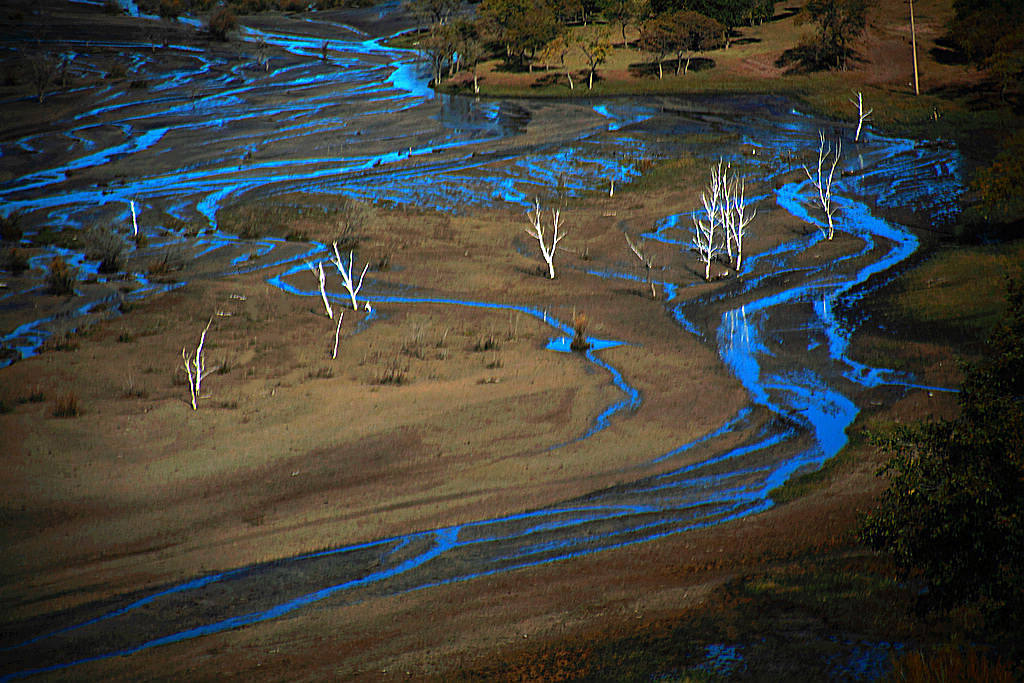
pixel 195 367
pixel 862 115
pixel 319 272
pixel 828 159
pixel 346 275
pixel 536 230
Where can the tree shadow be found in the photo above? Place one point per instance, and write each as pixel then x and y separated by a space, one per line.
pixel 650 69
pixel 786 13
pixel 947 53
pixel 558 78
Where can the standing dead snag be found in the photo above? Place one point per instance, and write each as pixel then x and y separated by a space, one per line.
pixel 706 239
pixel 346 275
pixel 736 218
pixel 827 157
pixel 337 333
pixel 862 115
pixel 195 366
pixel 319 272
pixel 536 230
pixel 640 251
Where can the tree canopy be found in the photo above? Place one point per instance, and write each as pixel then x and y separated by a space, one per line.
pixel 954 510
pixel 838 23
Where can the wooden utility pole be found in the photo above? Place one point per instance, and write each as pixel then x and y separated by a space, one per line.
pixel 913 43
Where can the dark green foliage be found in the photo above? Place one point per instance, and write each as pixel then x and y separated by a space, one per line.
pixel 999 191
pixel 837 24
pixel 954 510
pixel 731 13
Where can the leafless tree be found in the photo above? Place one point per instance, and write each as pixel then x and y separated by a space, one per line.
pixel 862 115
pixel 821 178
pixel 318 270
pixel 536 230
pixel 736 218
pixel 346 275
pixel 639 250
pixel 195 366
pixel 707 234
pixel 337 332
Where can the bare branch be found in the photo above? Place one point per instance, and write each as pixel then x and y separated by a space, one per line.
pixel 827 158
pixel 346 275
pixel 319 272
pixel 536 230
pixel 862 115
pixel 195 366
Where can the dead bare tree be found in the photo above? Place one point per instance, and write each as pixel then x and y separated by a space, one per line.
pixel 536 230
pixel 318 270
pixel 828 159
pixel 195 366
pixel 346 275
pixel 639 250
pixel 736 218
pixel 337 333
pixel 862 115
pixel 707 234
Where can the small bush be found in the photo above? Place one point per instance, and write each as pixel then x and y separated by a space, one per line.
pixel 10 227
pixel 222 23
pixel 60 278
pixel 104 245
pixel 488 343
pixel 579 342
pixel 125 337
pixel 36 395
pixel 132 390
pixel 16 261
pixel 395 373
pixel 67 405
pixel 950 664
pixel 170 9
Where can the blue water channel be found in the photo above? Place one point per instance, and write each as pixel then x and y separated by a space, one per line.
pixel 456 154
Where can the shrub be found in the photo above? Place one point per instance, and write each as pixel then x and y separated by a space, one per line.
pixel 106 246
pixel 60 278
pixel 170 9
pixel 67 405
pixel 16 261
pixel 222 23
pixel 949 664
pixel 579 342
pixel 954 510
pixel 10 227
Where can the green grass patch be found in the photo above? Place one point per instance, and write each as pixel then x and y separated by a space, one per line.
pixel 802 484
pixel 961 287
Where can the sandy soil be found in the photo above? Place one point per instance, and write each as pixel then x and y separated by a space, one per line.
pixel 291 451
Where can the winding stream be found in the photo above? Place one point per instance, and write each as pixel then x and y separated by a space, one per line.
pixel 337 134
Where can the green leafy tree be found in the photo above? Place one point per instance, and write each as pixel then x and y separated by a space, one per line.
pixel 625 13
pixel 978 26
pixel 729 13
pixel 431 12
pixel 837 24
pixel 438 47
pixel 693 33
pixel 954 510
pixel 595 48
pixel 521 27
pixel 657 37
